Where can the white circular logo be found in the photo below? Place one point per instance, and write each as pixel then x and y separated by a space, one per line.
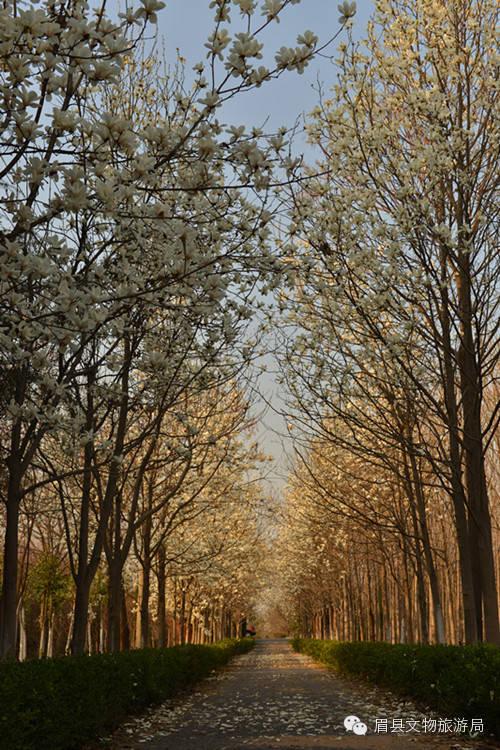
pixel 360 728
pixel 350 721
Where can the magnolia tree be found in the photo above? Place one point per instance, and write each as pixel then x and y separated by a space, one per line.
pixel 397 267
pixel 130 253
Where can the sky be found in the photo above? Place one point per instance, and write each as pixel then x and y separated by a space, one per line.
pixel 184 26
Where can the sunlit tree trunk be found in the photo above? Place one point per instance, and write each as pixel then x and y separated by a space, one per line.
pixel 162 604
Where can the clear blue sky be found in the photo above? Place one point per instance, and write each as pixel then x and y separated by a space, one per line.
pixel 185 25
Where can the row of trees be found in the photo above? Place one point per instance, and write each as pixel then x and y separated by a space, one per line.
pixel 184 558
pixel 131 259
pixel 391 334
pixel 351 559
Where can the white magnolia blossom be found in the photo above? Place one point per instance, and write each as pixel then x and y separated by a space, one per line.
pixel 347 10
pixel 218 41
pixel 149 10
pixel 247 7
pixel 271 9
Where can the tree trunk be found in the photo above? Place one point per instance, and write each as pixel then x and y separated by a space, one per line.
pixel 114 606
pixel 50 633
pixel 477 492
pixel 145 575
pixel 428 552
pixel 421 589
pixel 8 620
pixel 88 566
pixel 80 615
pixel 124 624
pixel 146 578
pixel 138 634
pixel 67 647
pixel 102 629
pixel 457 490
pixel 182 618
pixel 43 620
pixel 471 375
pixel 162 584
pixel 23 640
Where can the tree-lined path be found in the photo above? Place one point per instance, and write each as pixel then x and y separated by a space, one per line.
pixel 249 372
pixel 275 698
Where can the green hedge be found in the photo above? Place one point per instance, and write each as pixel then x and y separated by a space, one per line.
pixel 457 681
pixel 60 704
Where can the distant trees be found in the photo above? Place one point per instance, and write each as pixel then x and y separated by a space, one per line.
pixel 392 359
pixel 350 564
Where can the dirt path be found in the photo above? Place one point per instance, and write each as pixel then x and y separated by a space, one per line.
pixel 274 698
